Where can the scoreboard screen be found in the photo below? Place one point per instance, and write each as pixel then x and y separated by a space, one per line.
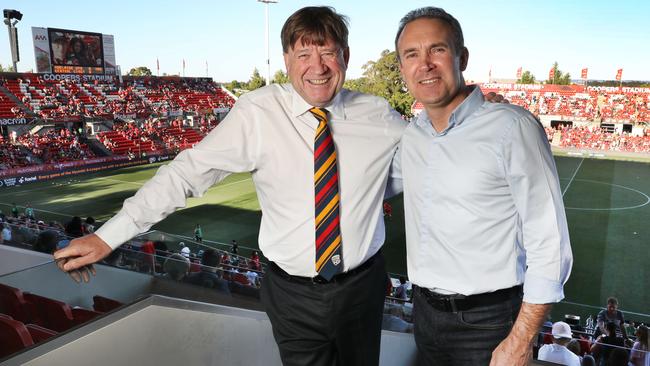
pixel 76 52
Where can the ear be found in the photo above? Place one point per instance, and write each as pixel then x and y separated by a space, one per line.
pixel 464 58
pixel 346 56
pixel 286 61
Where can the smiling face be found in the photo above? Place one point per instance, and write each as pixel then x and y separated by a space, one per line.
pixel 430 66
pixel 316 72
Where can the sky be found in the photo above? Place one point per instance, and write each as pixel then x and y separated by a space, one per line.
pixel 501 35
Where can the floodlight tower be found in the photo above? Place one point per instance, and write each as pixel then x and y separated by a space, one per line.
pixel 268 57
pixel 16 16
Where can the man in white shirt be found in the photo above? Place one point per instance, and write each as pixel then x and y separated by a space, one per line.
pixel 320 176
pixel 486 233
pixel 557 351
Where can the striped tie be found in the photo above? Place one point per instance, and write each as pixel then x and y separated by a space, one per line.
pixel 326 181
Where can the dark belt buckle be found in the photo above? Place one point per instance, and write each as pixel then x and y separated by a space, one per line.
pixel 444 303
pixel 320 280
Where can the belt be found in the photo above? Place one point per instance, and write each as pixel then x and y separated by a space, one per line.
pixel 319 279
pixel 456 303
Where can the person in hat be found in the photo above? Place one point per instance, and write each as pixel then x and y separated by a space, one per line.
pixel 558 352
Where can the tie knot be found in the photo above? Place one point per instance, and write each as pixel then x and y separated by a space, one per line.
pixel 319 113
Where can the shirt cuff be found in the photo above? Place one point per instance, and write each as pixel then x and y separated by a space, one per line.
pixel 540 290
pixel 118 230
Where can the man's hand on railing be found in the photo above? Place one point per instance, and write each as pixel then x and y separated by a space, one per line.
pixel 77 258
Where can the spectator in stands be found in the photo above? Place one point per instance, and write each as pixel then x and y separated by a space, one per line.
pixel 89 225
pixel 574 347
pixel 640 355
pixel 469 258
pixel 316 54
pixel 29 211
pixel 618 357
pixel 605 342
pixel 253 277
pixel 393 319
pixel 234 248
pixel 47 241
pixel 611 314
pixel 198 233
pixel 557 352
pixel 185 251
pixel 255 261
pixel 74 227
pixel 6 233
pixel 588 360
pixel 208 275
pixel 147 257
pixel 388 210
pixel 14 210
pixel 400 291
pixel 176 267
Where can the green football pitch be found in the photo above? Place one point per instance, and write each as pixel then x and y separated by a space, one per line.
pixel 607 206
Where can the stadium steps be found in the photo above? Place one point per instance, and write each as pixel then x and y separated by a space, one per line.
pixel 97 147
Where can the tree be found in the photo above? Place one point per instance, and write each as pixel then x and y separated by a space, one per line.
pixel 382 78
pixel 526 78
pixel 140 71
pixel 6 69
pixel 559 78
pixel 280 77
pixel 256 81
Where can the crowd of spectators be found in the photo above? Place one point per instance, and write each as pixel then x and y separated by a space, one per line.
pixel 595 138
pixel 55 146
pixel 69 99
pixel 607 341
pixel 593 104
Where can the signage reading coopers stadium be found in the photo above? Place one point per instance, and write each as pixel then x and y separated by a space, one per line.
pixel 16 121
pixel 77 77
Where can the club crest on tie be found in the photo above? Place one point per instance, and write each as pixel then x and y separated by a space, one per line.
pixel 336 260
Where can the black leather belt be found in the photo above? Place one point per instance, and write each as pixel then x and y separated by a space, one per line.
pixel 319 279
pixel 456 303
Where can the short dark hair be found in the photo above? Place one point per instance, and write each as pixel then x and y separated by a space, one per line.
pixel 315 25
pixel 431 12
pixel 210 258
pixel 612 300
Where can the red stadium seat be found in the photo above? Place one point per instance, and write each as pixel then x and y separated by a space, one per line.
pixel 52 314
pixel 38 333
pixel 13 303
pixel 83 315
pixel 104 304
pixel 14 336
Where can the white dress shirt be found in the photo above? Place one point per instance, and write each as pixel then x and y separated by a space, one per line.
pixel 270 133
pixel 483 206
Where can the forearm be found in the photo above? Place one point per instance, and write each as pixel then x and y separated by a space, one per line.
pixel 529 321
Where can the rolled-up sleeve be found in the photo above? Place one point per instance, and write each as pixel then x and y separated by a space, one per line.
pixel 231 147
pixel 533 179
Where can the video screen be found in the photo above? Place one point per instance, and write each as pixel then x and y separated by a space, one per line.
pixel 76 51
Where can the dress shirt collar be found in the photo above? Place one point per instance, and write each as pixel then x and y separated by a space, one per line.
pixel 462 112
pixel 335 109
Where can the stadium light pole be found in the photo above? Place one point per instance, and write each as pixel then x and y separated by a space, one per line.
pixel 15 15
pixel 266 33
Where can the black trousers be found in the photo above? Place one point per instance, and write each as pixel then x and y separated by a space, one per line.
pixel 332 324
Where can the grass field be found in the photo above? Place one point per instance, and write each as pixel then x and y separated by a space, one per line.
pixel 607 205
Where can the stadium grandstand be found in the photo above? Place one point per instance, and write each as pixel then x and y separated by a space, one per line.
pixel 74 123
pixel 77 139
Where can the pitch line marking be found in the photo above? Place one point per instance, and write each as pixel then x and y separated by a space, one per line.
pixel 647 198
pixel 571 180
